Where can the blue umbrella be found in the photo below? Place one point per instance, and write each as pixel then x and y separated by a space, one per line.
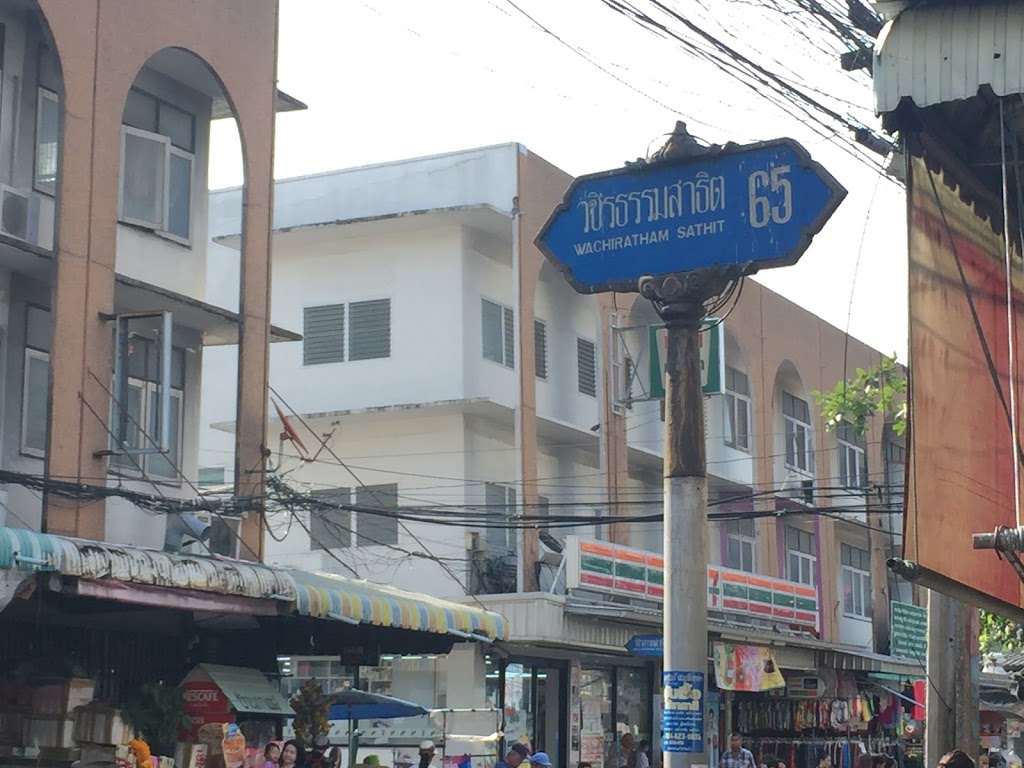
pixel 351 704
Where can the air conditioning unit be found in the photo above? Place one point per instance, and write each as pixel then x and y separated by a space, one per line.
pixel 19 214
pixel 222 539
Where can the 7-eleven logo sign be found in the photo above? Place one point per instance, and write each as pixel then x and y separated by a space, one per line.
pixel 712 357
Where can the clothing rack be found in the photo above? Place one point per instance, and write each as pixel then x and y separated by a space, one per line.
pixel 802 752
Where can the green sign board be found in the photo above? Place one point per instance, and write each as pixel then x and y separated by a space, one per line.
pixel 909 627
pixel 712 357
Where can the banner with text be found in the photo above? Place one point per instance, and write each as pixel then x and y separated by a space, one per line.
pixel 746 668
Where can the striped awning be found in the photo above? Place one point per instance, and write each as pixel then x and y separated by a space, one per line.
pixel 325 595
pixel 322 596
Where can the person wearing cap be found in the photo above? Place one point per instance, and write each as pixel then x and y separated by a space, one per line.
pixel 517 753
pixel 426 753
pixel 540 760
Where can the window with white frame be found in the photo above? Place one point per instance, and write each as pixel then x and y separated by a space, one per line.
pixel 158 144
pixel 856 571
pixel 47 141
pixel 500 504
pixel 741 545
pixel 334 333
pixel 499 333
pixel 737 409
pixel 586 367
pixel 796 416
pixel 853 463
pixel 800 557
pixel 35 406
pixel 141 402
pixel 540 348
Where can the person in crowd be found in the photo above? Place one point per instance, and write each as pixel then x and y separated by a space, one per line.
pixel 627 750
pixel 769 761
pixel 293 755
pixel 865 760
pixel 643 754
pixel 823 760
pixel 517 753
pixel 427 753
pixel 540 760
pixel 271 755
pixel 955 759
pixel 737 756
pixel 878 761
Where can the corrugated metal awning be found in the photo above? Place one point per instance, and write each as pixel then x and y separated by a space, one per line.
pixel 943 53
pixel 308 594
pixel 31 551
pixel 867 662
pixel 325 595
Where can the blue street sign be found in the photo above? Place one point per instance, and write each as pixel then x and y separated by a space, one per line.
pixel 758 204
pixel 682 713
pixel 645 645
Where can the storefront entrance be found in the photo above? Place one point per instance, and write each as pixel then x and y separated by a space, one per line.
pixel 533 695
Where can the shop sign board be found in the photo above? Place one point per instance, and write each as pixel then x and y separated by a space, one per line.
pixel 712 357
pixel 682 712
pixel 909 631
pixel 204 698
pixel 597 566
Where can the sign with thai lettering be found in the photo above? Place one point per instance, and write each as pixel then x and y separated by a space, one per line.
pixel 758 204
pixel 598 566
pixel 712 357
pixel 682 711
pixel 646 645
pixel 909 631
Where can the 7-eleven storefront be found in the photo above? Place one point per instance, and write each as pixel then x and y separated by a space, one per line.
pixel 582 666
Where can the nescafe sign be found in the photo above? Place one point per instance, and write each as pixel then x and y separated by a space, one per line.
pixel 204 698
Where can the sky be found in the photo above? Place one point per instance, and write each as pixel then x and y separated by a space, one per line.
pixel 587 89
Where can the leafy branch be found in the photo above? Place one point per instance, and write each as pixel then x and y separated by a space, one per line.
pixel 882 388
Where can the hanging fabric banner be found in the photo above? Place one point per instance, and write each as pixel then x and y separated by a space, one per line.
pixel 746 668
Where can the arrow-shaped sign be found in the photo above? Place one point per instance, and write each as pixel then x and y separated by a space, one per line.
pixel 758 204
pixel 646 645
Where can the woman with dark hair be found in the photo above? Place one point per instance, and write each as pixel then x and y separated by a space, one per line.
pixel 293 755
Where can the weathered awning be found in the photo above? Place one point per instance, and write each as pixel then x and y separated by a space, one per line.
pixel 939 53
pixel 329 596
pixel 133 574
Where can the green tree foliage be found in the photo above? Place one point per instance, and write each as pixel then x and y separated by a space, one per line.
pixel 1000 635
pixel 882 389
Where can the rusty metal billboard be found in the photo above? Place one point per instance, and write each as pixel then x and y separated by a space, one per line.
pixel 960 463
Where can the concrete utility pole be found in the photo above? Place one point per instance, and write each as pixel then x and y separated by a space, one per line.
pixel 953 668
pixel 680 301
pixel 683 228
